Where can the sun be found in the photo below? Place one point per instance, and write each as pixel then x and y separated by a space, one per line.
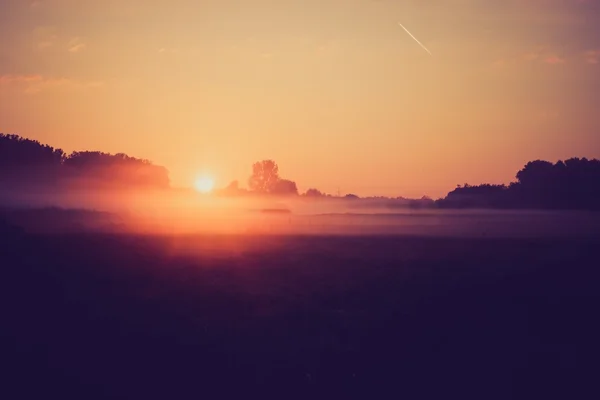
pixel 204 184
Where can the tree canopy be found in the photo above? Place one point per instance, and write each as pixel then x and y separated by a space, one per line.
pixel 569 184
pixel 25 162
pixel 265 179
pixel 265 175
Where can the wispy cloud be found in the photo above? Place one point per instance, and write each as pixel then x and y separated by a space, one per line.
pixel 46 37
pixel 554 59
pixel 10 79
pixel 164 50
pixel 592 56
pixel 541 54
pixel 36 83
pixel 545 55
pixel 76 45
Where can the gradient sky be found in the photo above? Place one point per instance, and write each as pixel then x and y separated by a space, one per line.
pixel 333 90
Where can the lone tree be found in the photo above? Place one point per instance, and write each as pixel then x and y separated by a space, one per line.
pixel 265 175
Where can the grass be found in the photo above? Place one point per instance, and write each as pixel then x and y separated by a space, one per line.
pixel 299 316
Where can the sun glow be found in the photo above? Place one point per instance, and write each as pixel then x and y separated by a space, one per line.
pixel 204 184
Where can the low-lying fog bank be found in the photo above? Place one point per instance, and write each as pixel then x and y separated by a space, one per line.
pixel 213 219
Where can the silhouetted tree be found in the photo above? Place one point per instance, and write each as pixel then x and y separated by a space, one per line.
pixel 24 161
pixel 481 196
pixel 572 184
pixel 16 151
pixel 536 174
pixel 265 174
pixel 284 187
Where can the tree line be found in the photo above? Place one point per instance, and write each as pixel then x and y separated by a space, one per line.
pixel 25 163
pixel 569 184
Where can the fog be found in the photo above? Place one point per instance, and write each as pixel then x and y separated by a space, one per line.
pixel 187 212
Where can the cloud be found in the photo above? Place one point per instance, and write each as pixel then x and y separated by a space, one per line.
pixel 592 56
pixel 76 45
pixel 10 79
pixel 163 50
pixel 35 83
pixel 554 59
pixel 47 37
pixel 541 54
pixel 66 83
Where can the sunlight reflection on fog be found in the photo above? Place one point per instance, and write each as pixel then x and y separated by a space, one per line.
pixel 156 212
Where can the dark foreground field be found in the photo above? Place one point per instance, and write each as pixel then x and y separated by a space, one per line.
pixel 107 316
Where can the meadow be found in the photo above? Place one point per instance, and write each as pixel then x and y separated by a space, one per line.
pixel 122 315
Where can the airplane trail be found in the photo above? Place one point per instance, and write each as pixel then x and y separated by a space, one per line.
pixel 416 40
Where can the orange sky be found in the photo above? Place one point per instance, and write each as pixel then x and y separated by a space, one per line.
pixel 333 90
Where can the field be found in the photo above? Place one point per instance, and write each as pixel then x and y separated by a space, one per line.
pixel 91 315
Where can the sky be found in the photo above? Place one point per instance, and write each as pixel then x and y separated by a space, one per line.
pixel 334 91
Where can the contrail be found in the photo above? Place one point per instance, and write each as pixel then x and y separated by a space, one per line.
pixel 416 40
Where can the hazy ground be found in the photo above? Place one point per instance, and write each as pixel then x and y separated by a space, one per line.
pixel 210 216
pixel 138 316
